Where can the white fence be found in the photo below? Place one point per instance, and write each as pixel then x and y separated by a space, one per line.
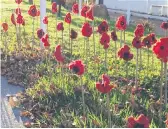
pixel 156 7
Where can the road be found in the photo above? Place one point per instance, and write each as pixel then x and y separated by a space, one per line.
pixel 10 117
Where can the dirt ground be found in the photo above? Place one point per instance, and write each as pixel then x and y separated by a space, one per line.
pixel 134 20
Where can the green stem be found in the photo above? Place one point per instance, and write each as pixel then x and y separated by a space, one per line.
pixel 106 59
pixel 33 35
pixel 161 90
pixel 148 63
pixel 94 39
pixel 126 69
pixel 70 38
pixel 136 76
pixel 56 29
pixel 83 97
pixel 109 113
pixel 166 79
pixel 120 39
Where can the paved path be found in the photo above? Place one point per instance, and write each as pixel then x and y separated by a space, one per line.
pixel 10 117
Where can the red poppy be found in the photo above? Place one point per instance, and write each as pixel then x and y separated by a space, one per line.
pixel 136 43
pixel 73 34
pixel 18 1
pixel 23 23
pixel 57 54
pixel 104 86
pixel 75 8
pixel 164 25
pixel 32 11
pixel 19 19
pixel 121 23
pixel 68 18
pixel 45 20
pixel 114 35
pixel 17 11
pixel 54 7
pixel 60 26
pixel 141 122
pixel 13 19
pixel 40 33
pixel 153 38
pixel 103 27
pixel 161 49
pixel 86 30
pixel 89 14
pixel 104 40
pixel 84 10
pixel 5 26
pixel 139 31
pixel 166 122
pixel 124 53
pixel 147 41
pixel 38 13
pixel 77 67
pixel 45 40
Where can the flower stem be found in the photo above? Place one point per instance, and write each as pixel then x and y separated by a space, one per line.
pixel 71 48
pixel 105 59
pixel 166 79
pixel 56 29
pixel 70 39
pixel 126 69
pixel 148 63
pixel 33 35
pixel 161 90
pixel 94 39
pixel 120 39
pixel 109 114
pixel 136 76
pixel 83 97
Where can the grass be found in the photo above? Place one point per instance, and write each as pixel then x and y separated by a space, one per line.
pixel 62 107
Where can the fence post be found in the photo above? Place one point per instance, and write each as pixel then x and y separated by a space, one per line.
pixel 80 6
pixel 128 14
pixel 42 15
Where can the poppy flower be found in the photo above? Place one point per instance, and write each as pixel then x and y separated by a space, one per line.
pixel 19 19
pixel 124 53
pixel 139 31
pixel 104 40
pixel 45 40
pixel 103 27
pixel 136 42
pixel 140 122
pixel 40 33
pixel 121 23
pixel 17 11
pixel 73 34
pixel 166 122
pixel 60 26
pixel 114 36
pixel 86 30
pixel 75 8
pixel 5 26
pixel 18 1
pixel 161 49
pixel 153 38
pixel 13 19
pixel 104 86
pixel 54 7
pixel 32 11
pixel 77 67
pixel 45 20
pixel 23 23
pixel 164 25
pixel 89 13
pixel 147 41
pixel 57 54
pixel 38 13
pixel 68 18
pixel 84 10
